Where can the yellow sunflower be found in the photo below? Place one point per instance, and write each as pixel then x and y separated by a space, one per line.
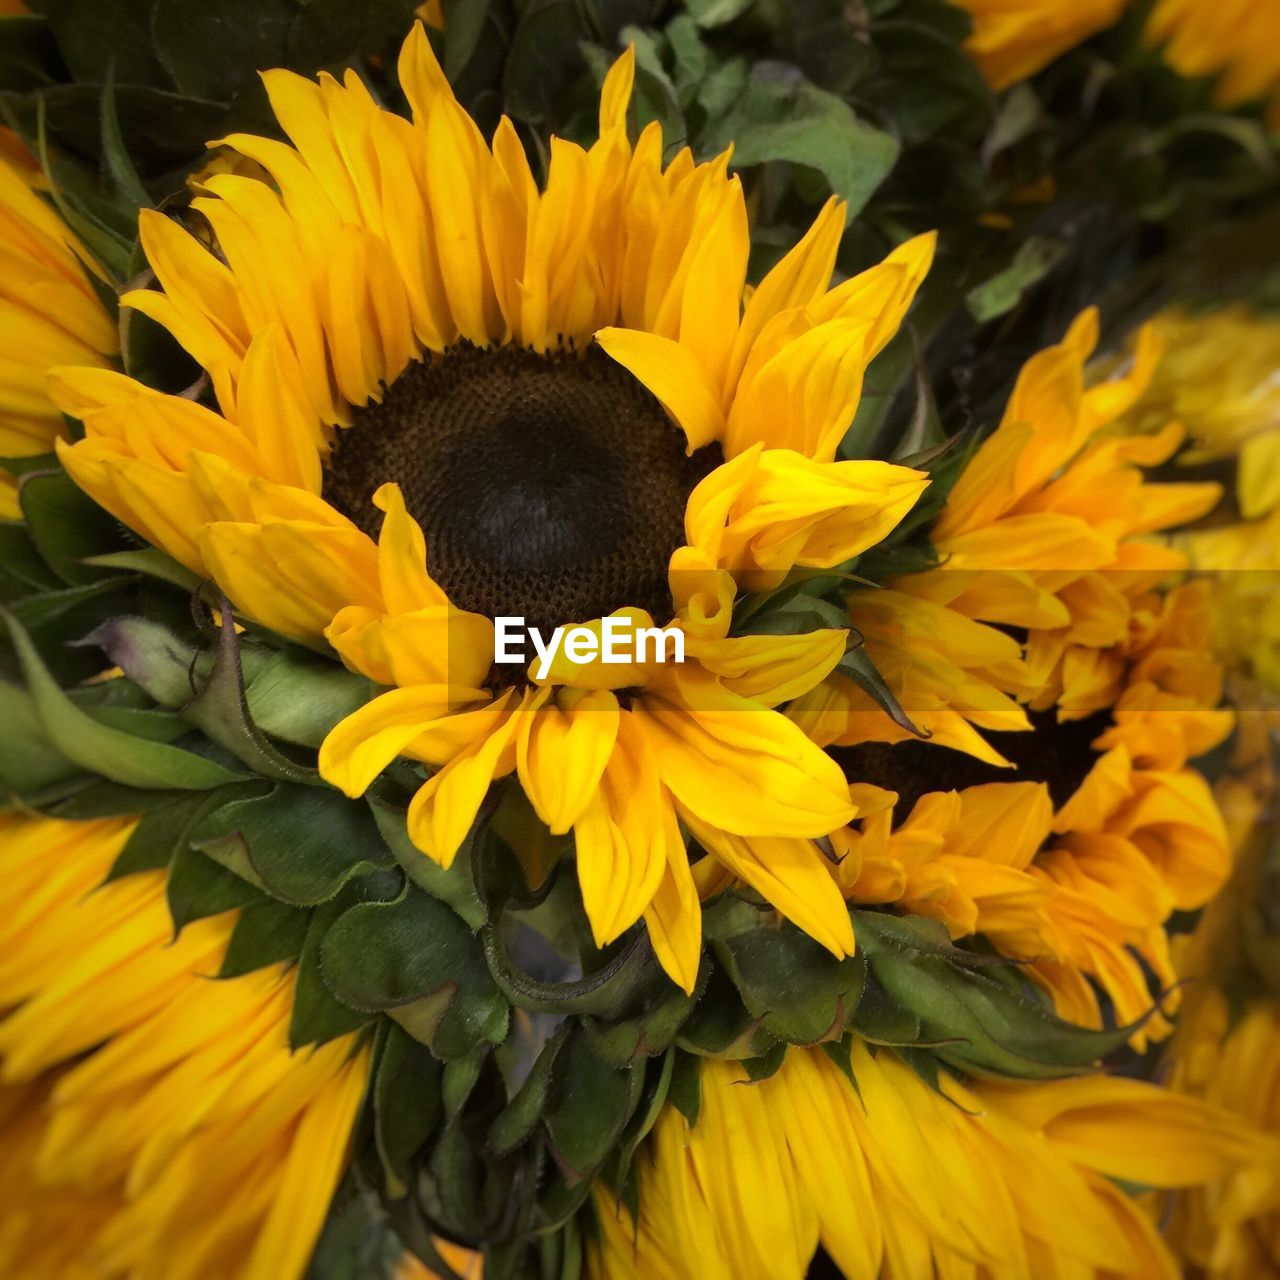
pixel 1235 41
pixel 893 1177
pixel 1013 39
pixel 1041 644
pixel 1220 378
pixel 154 1123
pixel 1227 1046
pixel 445 396
pixel 49 312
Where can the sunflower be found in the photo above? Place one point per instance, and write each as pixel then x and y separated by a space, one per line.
pixel 154 1122
pixel 1013 39
pixel 445 396
pixel 895 1177
pixel 1237 42
pixel 1230 408
pixel 1227 1046
pixel 1042 643
pixel 50 313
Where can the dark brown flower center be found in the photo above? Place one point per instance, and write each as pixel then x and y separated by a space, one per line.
pixel 1058 754
pixel 549 487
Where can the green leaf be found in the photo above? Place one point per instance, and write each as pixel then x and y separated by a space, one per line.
pixel 28 55
pixel 266 933
pixel 93 37
pixel 413 958
pixel 303 844
pixel 119 164
pixel 781 116
pixel 464 24
pixel 715 13
pixel 1036 258
pixel 29 762
pixel 109 752
pixel 656 97
pixel 214 49
pixel 152 563
pixel 66 525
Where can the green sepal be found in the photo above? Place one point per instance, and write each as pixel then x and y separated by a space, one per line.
pixel 67 526
pixel 883 1020
pixel 720 1026
pixel 159 836
pixel 298 698
pixel 460 1077
pixel 605 993
pixel 302 844
pixel 110 752
pixel 98 798
pixel 857 665
pixel 318 1015
pixel 791 985
pixel 197 887
pixel 972 1021
pixel 285 694
pixel 222 712
pixel 415 960
pixel 685 1090
pixel 407 1105
pixel 453 885
pixel 457 1192
pixel 266 933
pixel 643 1120
pixel 766 1064
pixel 519 1118
pixel 23 570
pixel 651 1031
pixel 588 1106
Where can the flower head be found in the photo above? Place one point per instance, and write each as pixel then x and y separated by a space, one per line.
pixel 155 1121
pixel 479 400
